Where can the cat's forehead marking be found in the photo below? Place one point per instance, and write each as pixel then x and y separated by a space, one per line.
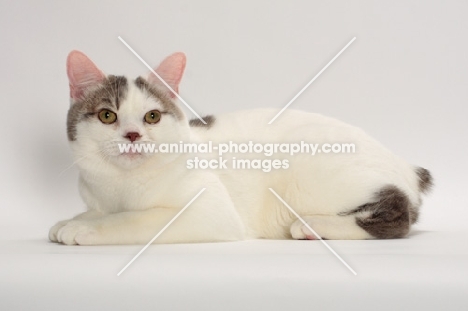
pixel 161 96
pixel 117 88
pixel 110 93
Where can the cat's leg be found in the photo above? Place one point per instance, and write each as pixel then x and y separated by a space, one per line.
pixel 386 217
pixel 55 228
pixel 196 224
pixel 331 227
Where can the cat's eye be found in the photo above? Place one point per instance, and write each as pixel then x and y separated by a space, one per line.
pixel 152 116
pixel 107 116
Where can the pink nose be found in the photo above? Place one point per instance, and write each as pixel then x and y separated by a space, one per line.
pixel 132 136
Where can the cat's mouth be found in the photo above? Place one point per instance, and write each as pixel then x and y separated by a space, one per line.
pixel 131 154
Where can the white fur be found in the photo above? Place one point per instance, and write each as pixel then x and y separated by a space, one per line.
pixel 130 198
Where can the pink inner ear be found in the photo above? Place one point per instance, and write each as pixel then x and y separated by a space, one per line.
pixel 82 73
pixel 170 70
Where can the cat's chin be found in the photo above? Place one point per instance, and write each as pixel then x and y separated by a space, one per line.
pixel 130 160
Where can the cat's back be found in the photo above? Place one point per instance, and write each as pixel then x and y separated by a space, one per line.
pixel 254 125
pixel 369 159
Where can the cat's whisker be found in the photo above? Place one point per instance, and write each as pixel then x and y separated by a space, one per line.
pixel 79 160
pixel 74 163
pixel 70 166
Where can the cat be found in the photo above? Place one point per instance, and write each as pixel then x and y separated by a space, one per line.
pixel 369 194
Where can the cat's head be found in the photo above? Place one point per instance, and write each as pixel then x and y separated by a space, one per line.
pixel 109 110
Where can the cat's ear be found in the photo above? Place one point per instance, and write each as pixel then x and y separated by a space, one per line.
pixel 82 74
pixel 170 70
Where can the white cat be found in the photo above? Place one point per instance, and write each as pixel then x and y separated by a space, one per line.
pixel 130 196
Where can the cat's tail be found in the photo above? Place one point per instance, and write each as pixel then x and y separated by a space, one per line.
pixel 425 179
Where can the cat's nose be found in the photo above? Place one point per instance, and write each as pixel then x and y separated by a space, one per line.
pixel 132 136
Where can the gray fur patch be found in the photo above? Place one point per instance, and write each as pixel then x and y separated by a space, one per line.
pixel 389 215
pixel 210 120
pixel 108 94
pixel 414 214
pixel 163 97
pixel 425 179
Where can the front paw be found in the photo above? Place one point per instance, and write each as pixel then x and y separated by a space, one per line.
pixel 78 232
pixel 55 229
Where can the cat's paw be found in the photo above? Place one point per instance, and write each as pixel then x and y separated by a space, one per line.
pixel 78 232
pixel 300 232
pixel 55 228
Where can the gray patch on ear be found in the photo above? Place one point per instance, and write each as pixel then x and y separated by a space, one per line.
pixel 109 93
pixel 210 120
pixel 163 97
pixel 389 216
pixel 425 179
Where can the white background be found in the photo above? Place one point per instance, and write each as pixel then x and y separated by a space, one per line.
pixel 404 80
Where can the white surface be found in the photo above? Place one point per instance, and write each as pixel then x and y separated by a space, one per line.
pixel 428 271
pixel 404 80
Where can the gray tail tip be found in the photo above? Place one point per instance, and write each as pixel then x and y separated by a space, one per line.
pixel 425 179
